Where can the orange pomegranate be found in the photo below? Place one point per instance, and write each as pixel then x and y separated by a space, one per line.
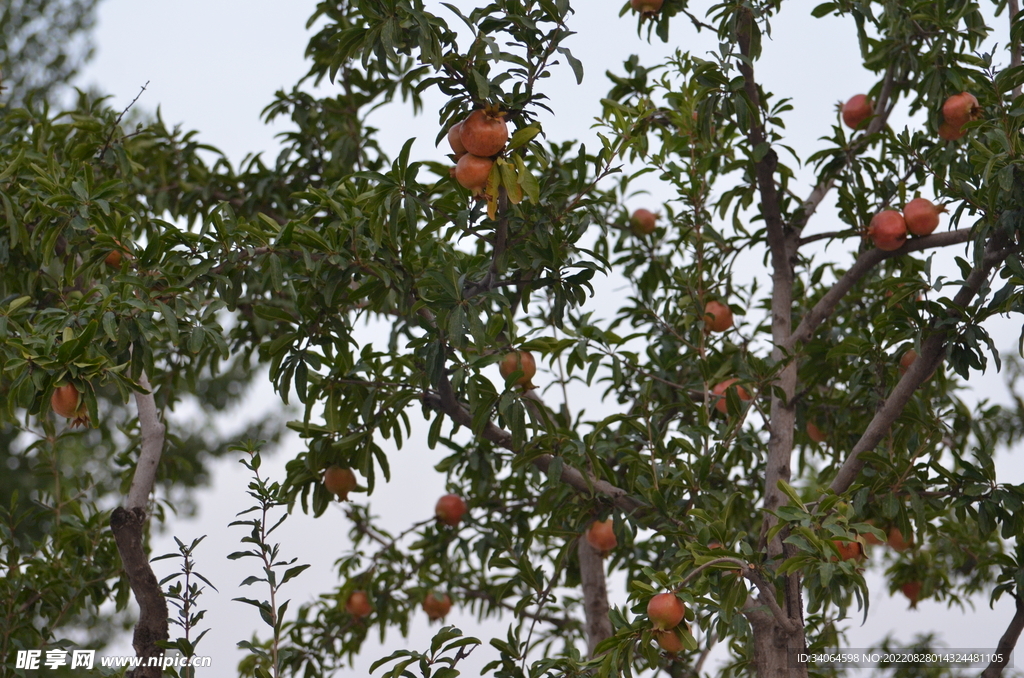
pixel 518 361
pixel 67 402
pixel 888 230
pixel 912 590
pixel 815 433
pixel 858 109
pixel 669 641
pixel 436 608
pixel 601 536
pixel 960 109
pixel 450 509
pixel 339 481
pixel 646 7
pixel 921 216
pixel 896 540
pixel 717 316
pixel 358 604
pixel 643 222
pixel 455 140
pixel 720 389
pixel 471 171
pixel 483 134
pixel 665 611
pixel 849 550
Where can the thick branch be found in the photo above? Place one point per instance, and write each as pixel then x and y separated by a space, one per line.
pixel 1007 642
pixel 782 245
pixel 1014 46
pixel 932 350
pixel 152 447
pixel 127 526
pixel 865 262
pixel 595 596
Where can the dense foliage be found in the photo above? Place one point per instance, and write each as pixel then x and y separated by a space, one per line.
pixel 745 505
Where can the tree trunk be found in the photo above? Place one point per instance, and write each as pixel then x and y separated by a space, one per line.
pixel 595 596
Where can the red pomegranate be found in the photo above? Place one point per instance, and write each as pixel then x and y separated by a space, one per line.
pixel 858 109
pixel 922 216
pixel 646 7
pixel 720 389
pixel 483 134
pixel 665 611
pixel 958 110
pixel 67 402
pixel 669 641
pixel 601 536
pixel 358 604
pixel 472 171
pixel 455 140
pixel 888 230
pixel 717 316
pixel 450 509
pixel 643 222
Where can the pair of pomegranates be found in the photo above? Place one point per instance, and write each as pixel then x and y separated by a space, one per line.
pixel 957 111
pixel 475 141
pixel 888 229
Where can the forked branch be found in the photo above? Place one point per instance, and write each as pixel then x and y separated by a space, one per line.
pixel 932 349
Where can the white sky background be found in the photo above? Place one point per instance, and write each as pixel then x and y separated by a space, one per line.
pixel 213 66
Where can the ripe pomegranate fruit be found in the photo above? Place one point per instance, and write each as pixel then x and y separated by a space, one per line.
pixel 665 611
pixel 858 109
pixel 601 536
pixel 450 509
pixel 339 481
pixel 647 7
pixel 472 171
pixel 912 590
pixel 519 361
pixel 949 132
pixel 669 641
pixel 455 140
pixel 720 389
pixel 67 402
pixel 870 538
pixel 888 230
pixel 908 359
pixel 896 540
pixel 815 433
pixel 960 109
pixel 922 216
pixel 643 222
pixel 436 608
pixel 849 550
pixel 358 604
pixel 113 259
pixel 717 316
pixel 483 134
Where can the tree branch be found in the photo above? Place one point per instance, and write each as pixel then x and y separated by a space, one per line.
pixel 1008 641
pixel 445 402
pixel 1014 46
pixel 127 526
pixel 865 262
pixel 931 356
pixel 151 448
pixel 782 243
pixel 595 596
